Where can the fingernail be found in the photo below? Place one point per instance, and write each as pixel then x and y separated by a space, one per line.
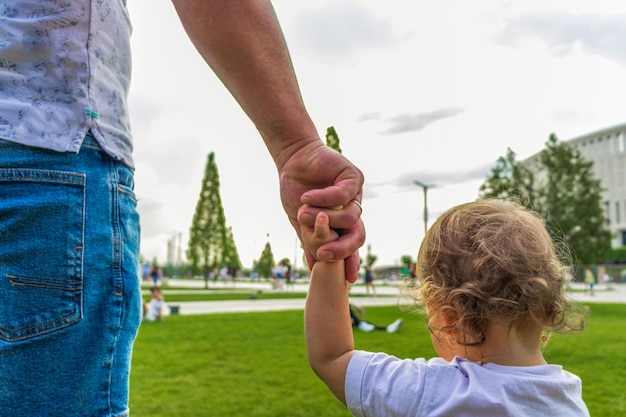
pixel 306 218
pixel 325 256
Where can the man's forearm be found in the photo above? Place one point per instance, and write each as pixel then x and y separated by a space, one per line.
pixel 243 43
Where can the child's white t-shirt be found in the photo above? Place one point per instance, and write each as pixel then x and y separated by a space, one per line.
pixel 378 384
pixel 154 307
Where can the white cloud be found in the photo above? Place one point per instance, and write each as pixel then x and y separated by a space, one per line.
pixel 563 32
pixel 337 32
pixel 443 176
pixel 412 122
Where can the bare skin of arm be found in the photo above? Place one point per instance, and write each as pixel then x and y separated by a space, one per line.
pixel 243 43
pixel 327 324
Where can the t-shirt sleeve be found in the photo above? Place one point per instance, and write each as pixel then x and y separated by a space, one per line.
pixel 381 384
pixel 354 381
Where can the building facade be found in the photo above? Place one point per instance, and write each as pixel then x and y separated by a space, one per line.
pixel 607 149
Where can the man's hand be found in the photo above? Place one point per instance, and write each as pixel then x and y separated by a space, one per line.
pixel 324 180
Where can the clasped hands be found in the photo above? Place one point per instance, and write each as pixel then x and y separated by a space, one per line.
pixel 317 234
pixel 316 179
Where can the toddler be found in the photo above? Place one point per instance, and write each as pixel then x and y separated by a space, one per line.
pixel 492 288
pixel 153 311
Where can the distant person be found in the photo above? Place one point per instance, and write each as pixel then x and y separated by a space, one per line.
pixel 606 279
pixel 492 288
pixel 288 274
pixel 145 272
pixel 277 277
pixel 70 229
pixel 153 311
pixel 156 273
pixel 367 326
pixel 224 276
pixel 590 280
pixel 370 276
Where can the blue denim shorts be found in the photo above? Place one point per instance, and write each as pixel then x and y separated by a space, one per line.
pixel 69 284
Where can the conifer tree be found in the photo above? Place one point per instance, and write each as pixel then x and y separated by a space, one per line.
pixel 230 254
pixel 211 244
pixel 332 139
pixel 266 262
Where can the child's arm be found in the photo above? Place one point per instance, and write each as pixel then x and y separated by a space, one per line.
pixel 328 328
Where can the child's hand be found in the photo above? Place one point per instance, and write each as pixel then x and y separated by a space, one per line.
pixel 315 236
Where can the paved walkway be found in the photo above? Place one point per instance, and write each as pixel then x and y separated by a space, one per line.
pixel 387 295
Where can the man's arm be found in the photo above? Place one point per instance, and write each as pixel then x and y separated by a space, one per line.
pixel 243 43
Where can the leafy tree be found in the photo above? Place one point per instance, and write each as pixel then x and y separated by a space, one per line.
pixel 560 184
pixel 211 243
pixel 407 269
pixel 572 196
pixel 266 262
pixel 406 259
pixel 332 139
pixel 617 254
pixel 509 180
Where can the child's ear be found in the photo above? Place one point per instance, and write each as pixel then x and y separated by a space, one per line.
pixel 449 318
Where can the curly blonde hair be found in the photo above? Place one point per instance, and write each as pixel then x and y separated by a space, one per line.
pixel 491 261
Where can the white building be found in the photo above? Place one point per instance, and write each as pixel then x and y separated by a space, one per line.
pixel 607 149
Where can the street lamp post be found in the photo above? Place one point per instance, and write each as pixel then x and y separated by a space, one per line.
pixel 425 188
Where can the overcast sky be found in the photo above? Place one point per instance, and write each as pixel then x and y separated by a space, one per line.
pixel 427 91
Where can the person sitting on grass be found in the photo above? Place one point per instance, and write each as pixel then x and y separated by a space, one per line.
pixel 492 288
pixel 367 326
pixel 153 311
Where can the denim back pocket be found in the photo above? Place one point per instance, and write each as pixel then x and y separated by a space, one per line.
pixel 41 251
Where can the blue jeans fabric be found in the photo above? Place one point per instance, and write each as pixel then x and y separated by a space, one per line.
pixel 70 300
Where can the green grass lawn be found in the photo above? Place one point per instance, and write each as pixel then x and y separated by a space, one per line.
pixel 254 364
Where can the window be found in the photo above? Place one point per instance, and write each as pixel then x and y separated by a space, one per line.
pixel 617 220
pixel 592 149
pixel 620 142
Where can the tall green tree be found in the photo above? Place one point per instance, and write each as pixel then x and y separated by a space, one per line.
pixel 572 196
pixel 211 244
pixel 559 184
pixel 509 180
pixel 332 139
pixel 266 262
